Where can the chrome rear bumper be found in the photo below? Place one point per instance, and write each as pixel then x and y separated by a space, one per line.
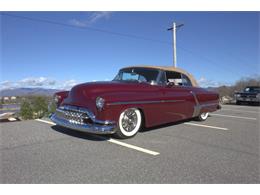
pixel 81 119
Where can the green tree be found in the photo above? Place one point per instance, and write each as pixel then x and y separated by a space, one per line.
pixel 40 106
pixel 26 110
pixel 2 101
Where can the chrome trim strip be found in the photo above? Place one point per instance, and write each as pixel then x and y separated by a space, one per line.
pixel 143 102
pixel 195 98
pixel 196 111
pixel 208 104
pixel 197 106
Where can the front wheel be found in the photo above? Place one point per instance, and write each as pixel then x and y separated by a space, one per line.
pixel 129 123
pixel 203 116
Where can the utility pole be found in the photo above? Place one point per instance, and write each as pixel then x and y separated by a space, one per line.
pixel 174 29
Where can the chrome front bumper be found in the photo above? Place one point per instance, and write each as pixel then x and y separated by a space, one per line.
pixel 81 119
pixel 247 99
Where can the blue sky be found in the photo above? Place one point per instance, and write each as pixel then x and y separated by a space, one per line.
pixel 216 47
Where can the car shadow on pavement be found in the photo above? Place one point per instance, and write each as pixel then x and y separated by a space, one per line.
pixel 95 137
pixel 9 121
pixel 81 135
pixel 144 130
pixel 244 104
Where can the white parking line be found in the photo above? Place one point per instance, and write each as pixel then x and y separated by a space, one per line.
pixel 133 147
pixel 232 116
pixel 114 141
pixel 44 121
pixel 207 126
pixel 12 119
pixel 240 110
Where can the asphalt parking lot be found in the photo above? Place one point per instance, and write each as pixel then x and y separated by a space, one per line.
pixel 223 149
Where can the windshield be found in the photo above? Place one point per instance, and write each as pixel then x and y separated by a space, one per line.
pixel 252 89
pixel 137 75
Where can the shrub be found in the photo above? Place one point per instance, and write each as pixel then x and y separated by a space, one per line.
pixel 40 106
pixel 34 107
pixel 26 111
pixel 52 107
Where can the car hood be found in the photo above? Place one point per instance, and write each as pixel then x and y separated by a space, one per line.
pixel 109 86
pixel 84 93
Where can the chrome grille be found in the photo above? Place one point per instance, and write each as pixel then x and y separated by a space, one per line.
pixel 72 116
pixel 248 96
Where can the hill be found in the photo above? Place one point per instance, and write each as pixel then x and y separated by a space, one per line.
pixel 27 91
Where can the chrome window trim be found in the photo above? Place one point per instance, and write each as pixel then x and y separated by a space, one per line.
pixel 143 102
pixel 127 68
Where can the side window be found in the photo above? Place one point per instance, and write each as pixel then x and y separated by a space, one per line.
pixel 162 79
pixel 186 81
pixel 174 77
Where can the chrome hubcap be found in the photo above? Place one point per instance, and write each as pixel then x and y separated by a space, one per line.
pixel 129 120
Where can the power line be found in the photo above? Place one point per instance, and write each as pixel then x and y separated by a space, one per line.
pixel 108 32
pixel 84 28
pixel 95 29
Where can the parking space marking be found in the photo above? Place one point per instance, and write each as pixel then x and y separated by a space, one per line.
pixel 44 121
pixel 207 126
pixel 133 147
pixel 114 141
pixel 232 116
pixel 241 110
pixel 12 119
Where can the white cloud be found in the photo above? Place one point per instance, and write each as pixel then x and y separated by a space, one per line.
pixel 91 19
pixel 32 82
pixel 37 82
pixel 67 85
pixel 7 85
pixel 204 82
pixel 42 82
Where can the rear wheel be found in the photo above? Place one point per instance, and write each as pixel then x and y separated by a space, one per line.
pixel 203 116
pixel 129 123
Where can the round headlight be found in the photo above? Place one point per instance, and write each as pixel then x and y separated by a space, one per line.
pixel 100 102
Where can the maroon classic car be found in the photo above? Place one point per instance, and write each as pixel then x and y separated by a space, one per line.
pixel 138 97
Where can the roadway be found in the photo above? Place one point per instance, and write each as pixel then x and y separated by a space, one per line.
pixel 223 149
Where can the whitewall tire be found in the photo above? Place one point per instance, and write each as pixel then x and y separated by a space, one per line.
pixel 130 122
pixel 203 116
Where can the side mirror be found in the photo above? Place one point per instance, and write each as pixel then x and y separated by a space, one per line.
pixel 153 82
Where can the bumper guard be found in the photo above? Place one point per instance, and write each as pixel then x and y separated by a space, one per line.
pixel 81 119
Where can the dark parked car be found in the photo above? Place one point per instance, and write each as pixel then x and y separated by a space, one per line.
pixel 139 96
pixel 250 94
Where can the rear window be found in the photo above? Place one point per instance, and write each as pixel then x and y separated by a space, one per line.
pixel 252 89
pixel 178 78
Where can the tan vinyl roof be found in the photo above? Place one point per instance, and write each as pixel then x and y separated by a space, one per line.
pixel 170 68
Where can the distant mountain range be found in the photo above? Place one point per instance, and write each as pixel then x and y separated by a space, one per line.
pixel 27 91
pixel 212 88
